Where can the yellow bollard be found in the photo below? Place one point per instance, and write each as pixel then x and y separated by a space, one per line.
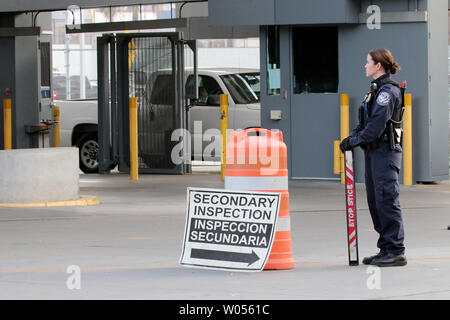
pixel 7 126
pixel 132 51
pixel 345 131
pixel 56 136
pixel 407 141
pixel 134 170
pixel 337 157
pixel 223 129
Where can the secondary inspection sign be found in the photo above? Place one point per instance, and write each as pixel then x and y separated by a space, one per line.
pixel 228 229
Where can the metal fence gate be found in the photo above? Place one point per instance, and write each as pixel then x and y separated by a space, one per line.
pixel 152 67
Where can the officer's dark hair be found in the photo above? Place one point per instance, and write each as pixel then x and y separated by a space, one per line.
pixel 385 57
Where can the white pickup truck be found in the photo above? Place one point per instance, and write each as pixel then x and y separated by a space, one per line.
pixel 79 124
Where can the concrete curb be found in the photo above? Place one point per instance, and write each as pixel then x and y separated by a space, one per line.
pixel 39 175
pixel 83 201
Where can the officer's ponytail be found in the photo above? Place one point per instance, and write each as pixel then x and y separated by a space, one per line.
pixel 385 57
pixel 394 68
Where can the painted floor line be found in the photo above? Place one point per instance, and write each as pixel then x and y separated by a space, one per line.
pixel 147 267
pixel 433 187
pixel 83 201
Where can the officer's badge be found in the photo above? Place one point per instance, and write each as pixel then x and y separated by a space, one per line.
pixel 383 98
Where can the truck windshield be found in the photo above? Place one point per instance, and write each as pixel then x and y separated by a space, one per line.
pixel 243 87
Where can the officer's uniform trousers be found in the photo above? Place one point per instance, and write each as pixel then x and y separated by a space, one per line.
pixel 382 167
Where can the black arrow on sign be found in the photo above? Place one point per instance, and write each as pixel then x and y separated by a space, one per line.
pixel 249 258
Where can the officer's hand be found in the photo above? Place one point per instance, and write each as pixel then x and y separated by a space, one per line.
pixel 345 145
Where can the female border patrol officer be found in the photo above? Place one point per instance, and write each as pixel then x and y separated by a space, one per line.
pixel 383 154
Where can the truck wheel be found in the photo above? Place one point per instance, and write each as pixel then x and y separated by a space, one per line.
pixel 88 151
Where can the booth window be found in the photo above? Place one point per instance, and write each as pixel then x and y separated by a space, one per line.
pixel 45 70
pixel 315 59
pixel 273 61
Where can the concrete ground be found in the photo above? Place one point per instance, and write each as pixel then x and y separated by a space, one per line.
pixel 128 247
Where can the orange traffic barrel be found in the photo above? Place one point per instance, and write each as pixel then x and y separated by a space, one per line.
pixel 256 160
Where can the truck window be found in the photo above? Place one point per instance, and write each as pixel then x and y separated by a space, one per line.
pixel 253 80
pixel 239 89
pixel 207 86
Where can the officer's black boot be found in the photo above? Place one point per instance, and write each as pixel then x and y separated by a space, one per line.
pixel 368 260
pixel 390 260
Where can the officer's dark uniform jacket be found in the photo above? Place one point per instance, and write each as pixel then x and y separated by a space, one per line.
pixel 378 111
pixel 382 165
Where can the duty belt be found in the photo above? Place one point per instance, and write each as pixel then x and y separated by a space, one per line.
pixel 376 144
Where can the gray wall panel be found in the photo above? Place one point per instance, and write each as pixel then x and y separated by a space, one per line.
pixel 409 44
pixel 364 4
pixel 314 127
pixel 397 5
pixel 241 12
pixel 354 44
pixel 7 69
pixel 316 11
pixel 26 108
pixel 293 12
pixel 268 12
pixel 274 102
pixel 438 71
pixel 198 28
pixel 34 5
pixel 422 4
pixel 6 76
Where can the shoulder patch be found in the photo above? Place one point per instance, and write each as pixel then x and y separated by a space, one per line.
pixel 383 98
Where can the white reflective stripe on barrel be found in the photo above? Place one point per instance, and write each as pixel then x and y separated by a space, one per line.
pixel 283 224
pixel 256 183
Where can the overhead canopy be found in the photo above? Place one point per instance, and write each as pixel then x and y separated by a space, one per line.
pixel 278 12
pixel 51 5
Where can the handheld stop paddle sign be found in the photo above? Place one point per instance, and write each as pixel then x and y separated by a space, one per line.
pixel 350 201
